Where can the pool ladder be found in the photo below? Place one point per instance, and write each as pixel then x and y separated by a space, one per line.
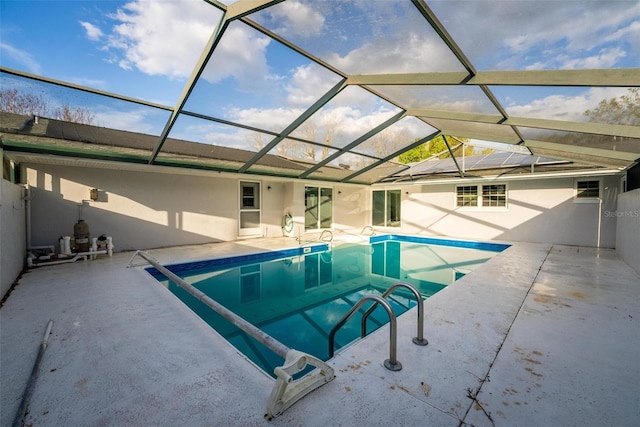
pixel 392 362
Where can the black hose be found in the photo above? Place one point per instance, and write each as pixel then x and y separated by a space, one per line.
pixel 28 391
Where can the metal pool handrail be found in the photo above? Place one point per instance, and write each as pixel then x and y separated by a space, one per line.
pixel 419 339
pixel 368 227
pixel 320 238
pixel 324 239
pixel 295 361
pixel 391 363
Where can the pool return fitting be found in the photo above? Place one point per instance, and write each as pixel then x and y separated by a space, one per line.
pixel 286 391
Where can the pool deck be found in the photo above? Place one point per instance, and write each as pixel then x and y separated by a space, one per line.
pixel 540 335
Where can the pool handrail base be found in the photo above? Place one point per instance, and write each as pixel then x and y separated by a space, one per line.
pixel 287 391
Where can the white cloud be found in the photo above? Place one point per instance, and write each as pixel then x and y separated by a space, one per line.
pixel 342 124
pixel 21 57
pixel 95 83
pixel 536 66
pixel 274 119
pixel 162 38
pixel 298 19
pixel 167 38
pixel 308 83
pixel 93 33
pixel 130 120
pixel 630 33
pixel 606 58
pixel 212 134
pixel 353 122
pixel 418 53
pixel 413 126
pixel 544 34
pixel 241 55
pixel 563 107
pixel 554 106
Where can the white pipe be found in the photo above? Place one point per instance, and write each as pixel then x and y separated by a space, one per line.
pixel 67 245
pixel 77 256
pixel 27 213
pixel 599 222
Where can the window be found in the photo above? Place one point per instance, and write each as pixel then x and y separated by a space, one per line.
pixel 483 196
pixel 494 195
pixel 386 208
pixel 587 190
pixel 250 195
pixel 250 283
pixel 467 195
pixel 385 259
pixel 318 270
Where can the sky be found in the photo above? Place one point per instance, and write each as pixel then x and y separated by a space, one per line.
pixel 147 50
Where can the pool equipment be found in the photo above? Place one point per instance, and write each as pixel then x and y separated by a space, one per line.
pixel 99 246
pixel 65 245
pixel 81 234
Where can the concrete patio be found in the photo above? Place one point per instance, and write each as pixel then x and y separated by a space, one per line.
pixel 540 335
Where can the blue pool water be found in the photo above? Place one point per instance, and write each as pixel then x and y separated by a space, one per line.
pixel 298 295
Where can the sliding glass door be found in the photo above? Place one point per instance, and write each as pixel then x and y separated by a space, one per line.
pixel 386 208
pixel 318 208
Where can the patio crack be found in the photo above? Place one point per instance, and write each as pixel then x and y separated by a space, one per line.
pixel 472 393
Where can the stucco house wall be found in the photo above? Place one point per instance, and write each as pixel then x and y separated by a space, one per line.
pixel 541 210
pixel 628 227
pixel 142 210
pixel 13 246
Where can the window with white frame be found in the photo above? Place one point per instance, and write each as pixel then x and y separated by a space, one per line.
pixel 587 190
pixel 467 195
pixel 494 195
pixel 482 196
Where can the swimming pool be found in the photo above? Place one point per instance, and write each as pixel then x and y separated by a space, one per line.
pixel 297 296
